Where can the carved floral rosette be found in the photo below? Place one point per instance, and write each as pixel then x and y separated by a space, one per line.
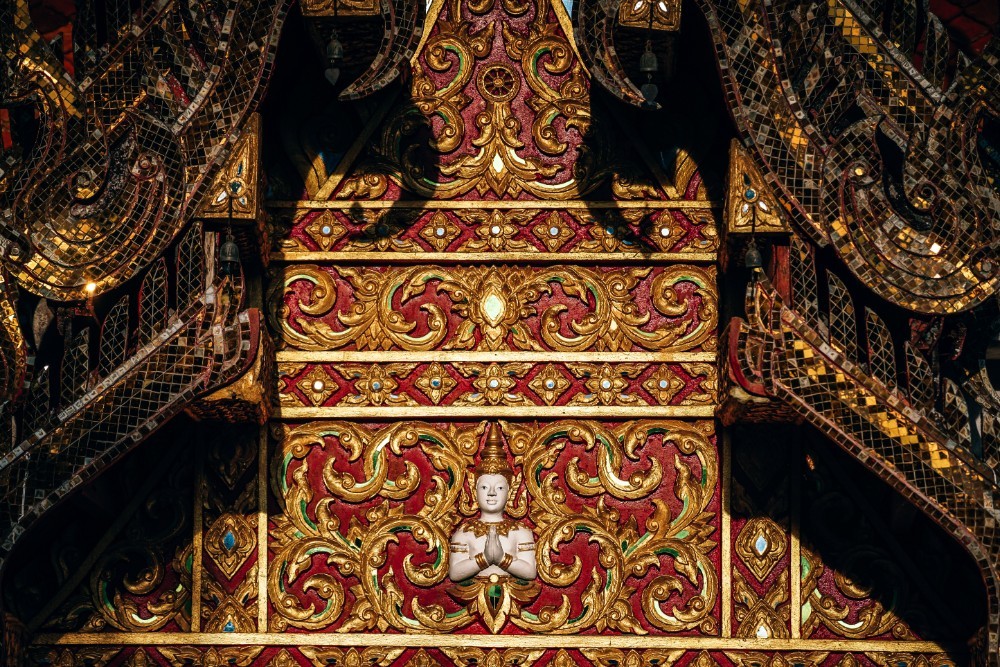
pixel 625 518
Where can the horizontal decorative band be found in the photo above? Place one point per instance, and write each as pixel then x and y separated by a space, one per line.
pixel 574 308
pixel 496 412
pixel 493 257
pixel 499 356
pixel 495 205
pixel 464 382
pixel 484 641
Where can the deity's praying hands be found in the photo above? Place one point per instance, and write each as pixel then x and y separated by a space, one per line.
pixel 492 545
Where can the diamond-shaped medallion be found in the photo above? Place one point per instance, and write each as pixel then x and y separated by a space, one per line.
pixel 553 231
pixel 663 385
pixel 549 384
pixel 435 382
pixel 326 230
pixel 439 231
pixel 317 385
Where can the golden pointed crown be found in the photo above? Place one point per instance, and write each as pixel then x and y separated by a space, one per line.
pixel 493 459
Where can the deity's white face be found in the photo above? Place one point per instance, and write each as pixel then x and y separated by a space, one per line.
pixel 491 492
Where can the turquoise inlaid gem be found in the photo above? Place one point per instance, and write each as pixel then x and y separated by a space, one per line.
pixel 229 627
pixel 229 540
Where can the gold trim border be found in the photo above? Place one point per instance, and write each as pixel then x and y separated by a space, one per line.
pixel 262 529
pixel 492 257
pixel 486 641
pixel 423 205
pixel 726 580
pixel 496 411
pixel 501 357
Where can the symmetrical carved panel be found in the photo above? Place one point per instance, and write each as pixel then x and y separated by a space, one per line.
pixel 561 308
pixel 624 542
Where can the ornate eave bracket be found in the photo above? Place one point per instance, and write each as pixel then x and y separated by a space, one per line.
pixel 204 347
pixel 783 354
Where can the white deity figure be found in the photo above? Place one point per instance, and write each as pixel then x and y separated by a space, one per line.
pixel 492 546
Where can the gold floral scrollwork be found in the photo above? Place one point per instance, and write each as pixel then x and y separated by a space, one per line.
pixel 615 657
pixel 790 659
pixel 230 656
pixel 750 206
pixel 760 545
pixel 476 657
pixel 230 612
pixel 495 601
pixel 83 656
pixel 496 229
pixel 371 323
pixel 764 616
pixel 235 187
pixel 229 542
pixel 872 619
pixel 307 528
pixel 374 656
pixel 624 551
pixel 376 384
pixel 495 305
pixel 493 154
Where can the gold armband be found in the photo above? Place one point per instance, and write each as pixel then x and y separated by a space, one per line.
pixel 481 561
pixel 460 548
pixel 507 560
pixel 526 547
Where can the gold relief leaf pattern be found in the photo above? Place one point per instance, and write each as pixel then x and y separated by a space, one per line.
pixel 762 616
pixel 614 657
pixel 679 544
pixel 624 552
pixel 376 384
pixel 139 658
pixel 317 385
pixel 225 612
pixel 553 231
pixel 549 384
pixel 440 231
pixel 790 659
pixel 435 382
pixel 305 529
pixel 872 619
pixel 705 659
pixel 709 383
pixel 89 656
pixel 475 657
pixel 325 229
pixel 229 541
pixel 366 185
pixel 760 545
pixel 283 659
pixel 493 383
pixel 607 384
pixel 422 659
pixel 663 385
pixel 230 656
pixel 495 230
pixel 906 659
pixel 494 305
pixel 371 323
pixel 351 657
pixel 497 160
